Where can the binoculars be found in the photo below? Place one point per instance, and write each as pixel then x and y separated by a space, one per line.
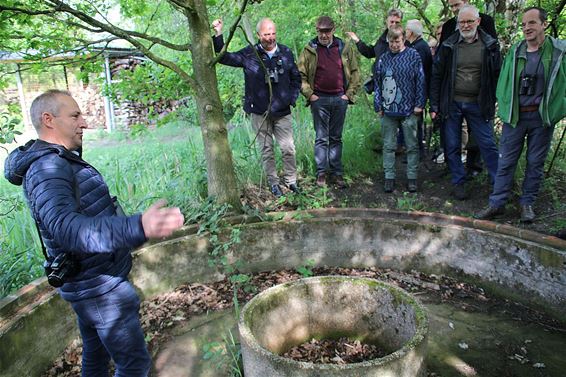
pixel 528 85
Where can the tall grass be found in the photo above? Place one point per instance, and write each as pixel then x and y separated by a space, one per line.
pixel 169 163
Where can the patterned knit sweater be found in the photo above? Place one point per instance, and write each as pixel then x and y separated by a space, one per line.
pixel 401 83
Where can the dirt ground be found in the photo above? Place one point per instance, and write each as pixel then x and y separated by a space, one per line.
pixel 434 195
pixel 161 315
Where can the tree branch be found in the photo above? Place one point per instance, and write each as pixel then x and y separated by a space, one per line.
pixel 108 27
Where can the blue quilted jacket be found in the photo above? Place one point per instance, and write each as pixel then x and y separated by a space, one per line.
pixel 75 212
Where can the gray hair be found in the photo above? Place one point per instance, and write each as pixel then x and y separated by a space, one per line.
pixel 415 26
pixel 261 22
pixel 471 8
pixel 395 12
pixel 46 103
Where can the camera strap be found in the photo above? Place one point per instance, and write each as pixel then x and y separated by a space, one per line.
pixel 77 199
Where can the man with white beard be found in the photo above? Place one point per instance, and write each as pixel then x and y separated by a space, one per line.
pixel 464 78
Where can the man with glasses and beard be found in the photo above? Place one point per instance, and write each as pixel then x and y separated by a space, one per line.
pixel 463 84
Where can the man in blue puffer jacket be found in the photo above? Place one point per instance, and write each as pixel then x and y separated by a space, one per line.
pixel 75 213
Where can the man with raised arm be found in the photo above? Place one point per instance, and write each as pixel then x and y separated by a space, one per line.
pixel 79 222
pixel 531 94
pixel 272 84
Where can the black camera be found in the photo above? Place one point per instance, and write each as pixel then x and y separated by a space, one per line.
pixel 62 267
pixel 528 85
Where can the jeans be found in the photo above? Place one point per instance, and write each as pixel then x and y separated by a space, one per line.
pixel 282 128
pixel 110 328
pixel 420 135
pixel 482 130
pixel 389 126
pixel 539 139
pixel 328 116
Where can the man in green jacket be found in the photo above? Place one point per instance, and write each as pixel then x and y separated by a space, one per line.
pixel 531 93
pixel 329 81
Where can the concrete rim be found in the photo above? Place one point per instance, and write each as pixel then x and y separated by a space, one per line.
pixel 418 338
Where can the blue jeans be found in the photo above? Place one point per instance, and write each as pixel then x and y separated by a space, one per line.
pixel 539 139
pixel 110 328
pixel 328 115
pixel 482 130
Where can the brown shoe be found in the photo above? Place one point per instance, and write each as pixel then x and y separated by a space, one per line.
pixel 321 180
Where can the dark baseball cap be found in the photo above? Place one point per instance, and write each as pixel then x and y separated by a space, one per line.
pixel 324 23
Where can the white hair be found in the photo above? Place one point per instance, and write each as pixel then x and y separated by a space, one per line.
pixel 471 8
pixel 415 26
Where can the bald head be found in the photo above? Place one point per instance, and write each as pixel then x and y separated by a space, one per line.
pixel 266 34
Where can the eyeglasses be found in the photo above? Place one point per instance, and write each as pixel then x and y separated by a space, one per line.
pixel 324 31
pixel 466 22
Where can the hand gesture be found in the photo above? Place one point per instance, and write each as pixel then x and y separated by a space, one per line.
pixel 353 35
pixel 159 221
pixel 217 26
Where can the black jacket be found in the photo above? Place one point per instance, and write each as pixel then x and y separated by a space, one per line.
pixel 285 87
pixel 426 59
pixel 376 50
pixel 486 23
pixel 444 73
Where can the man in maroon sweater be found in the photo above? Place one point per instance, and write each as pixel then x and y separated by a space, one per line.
pixel 329 81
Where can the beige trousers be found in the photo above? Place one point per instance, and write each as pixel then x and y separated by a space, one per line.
pixel 266 128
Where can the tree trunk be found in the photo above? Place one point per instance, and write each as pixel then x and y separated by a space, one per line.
pixel 222 183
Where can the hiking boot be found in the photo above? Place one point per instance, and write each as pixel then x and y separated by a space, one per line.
pixel 489 213
pixel 389 185
pixel 276 191
pixel 293 187
pixel 321 180
pixel 527 214
pixel 339 181
pixel 412 185
pixel 460 192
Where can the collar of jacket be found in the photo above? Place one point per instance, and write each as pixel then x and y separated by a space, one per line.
pixel 260 49
pixel 314 43
pixel 455 38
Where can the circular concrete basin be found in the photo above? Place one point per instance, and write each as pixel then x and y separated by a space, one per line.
pixel 330 307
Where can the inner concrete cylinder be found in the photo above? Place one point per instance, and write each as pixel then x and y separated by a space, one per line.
pixel 330 307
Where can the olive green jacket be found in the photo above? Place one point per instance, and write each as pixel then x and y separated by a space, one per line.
pixel 307 67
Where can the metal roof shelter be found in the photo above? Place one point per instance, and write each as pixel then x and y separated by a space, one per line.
pixel 20 59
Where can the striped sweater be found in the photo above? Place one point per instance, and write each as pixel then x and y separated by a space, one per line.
pixel 400 82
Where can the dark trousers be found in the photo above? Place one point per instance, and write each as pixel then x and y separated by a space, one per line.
pixel 483 133
pixel 110 328
pixel 539 139
pixel 328 116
